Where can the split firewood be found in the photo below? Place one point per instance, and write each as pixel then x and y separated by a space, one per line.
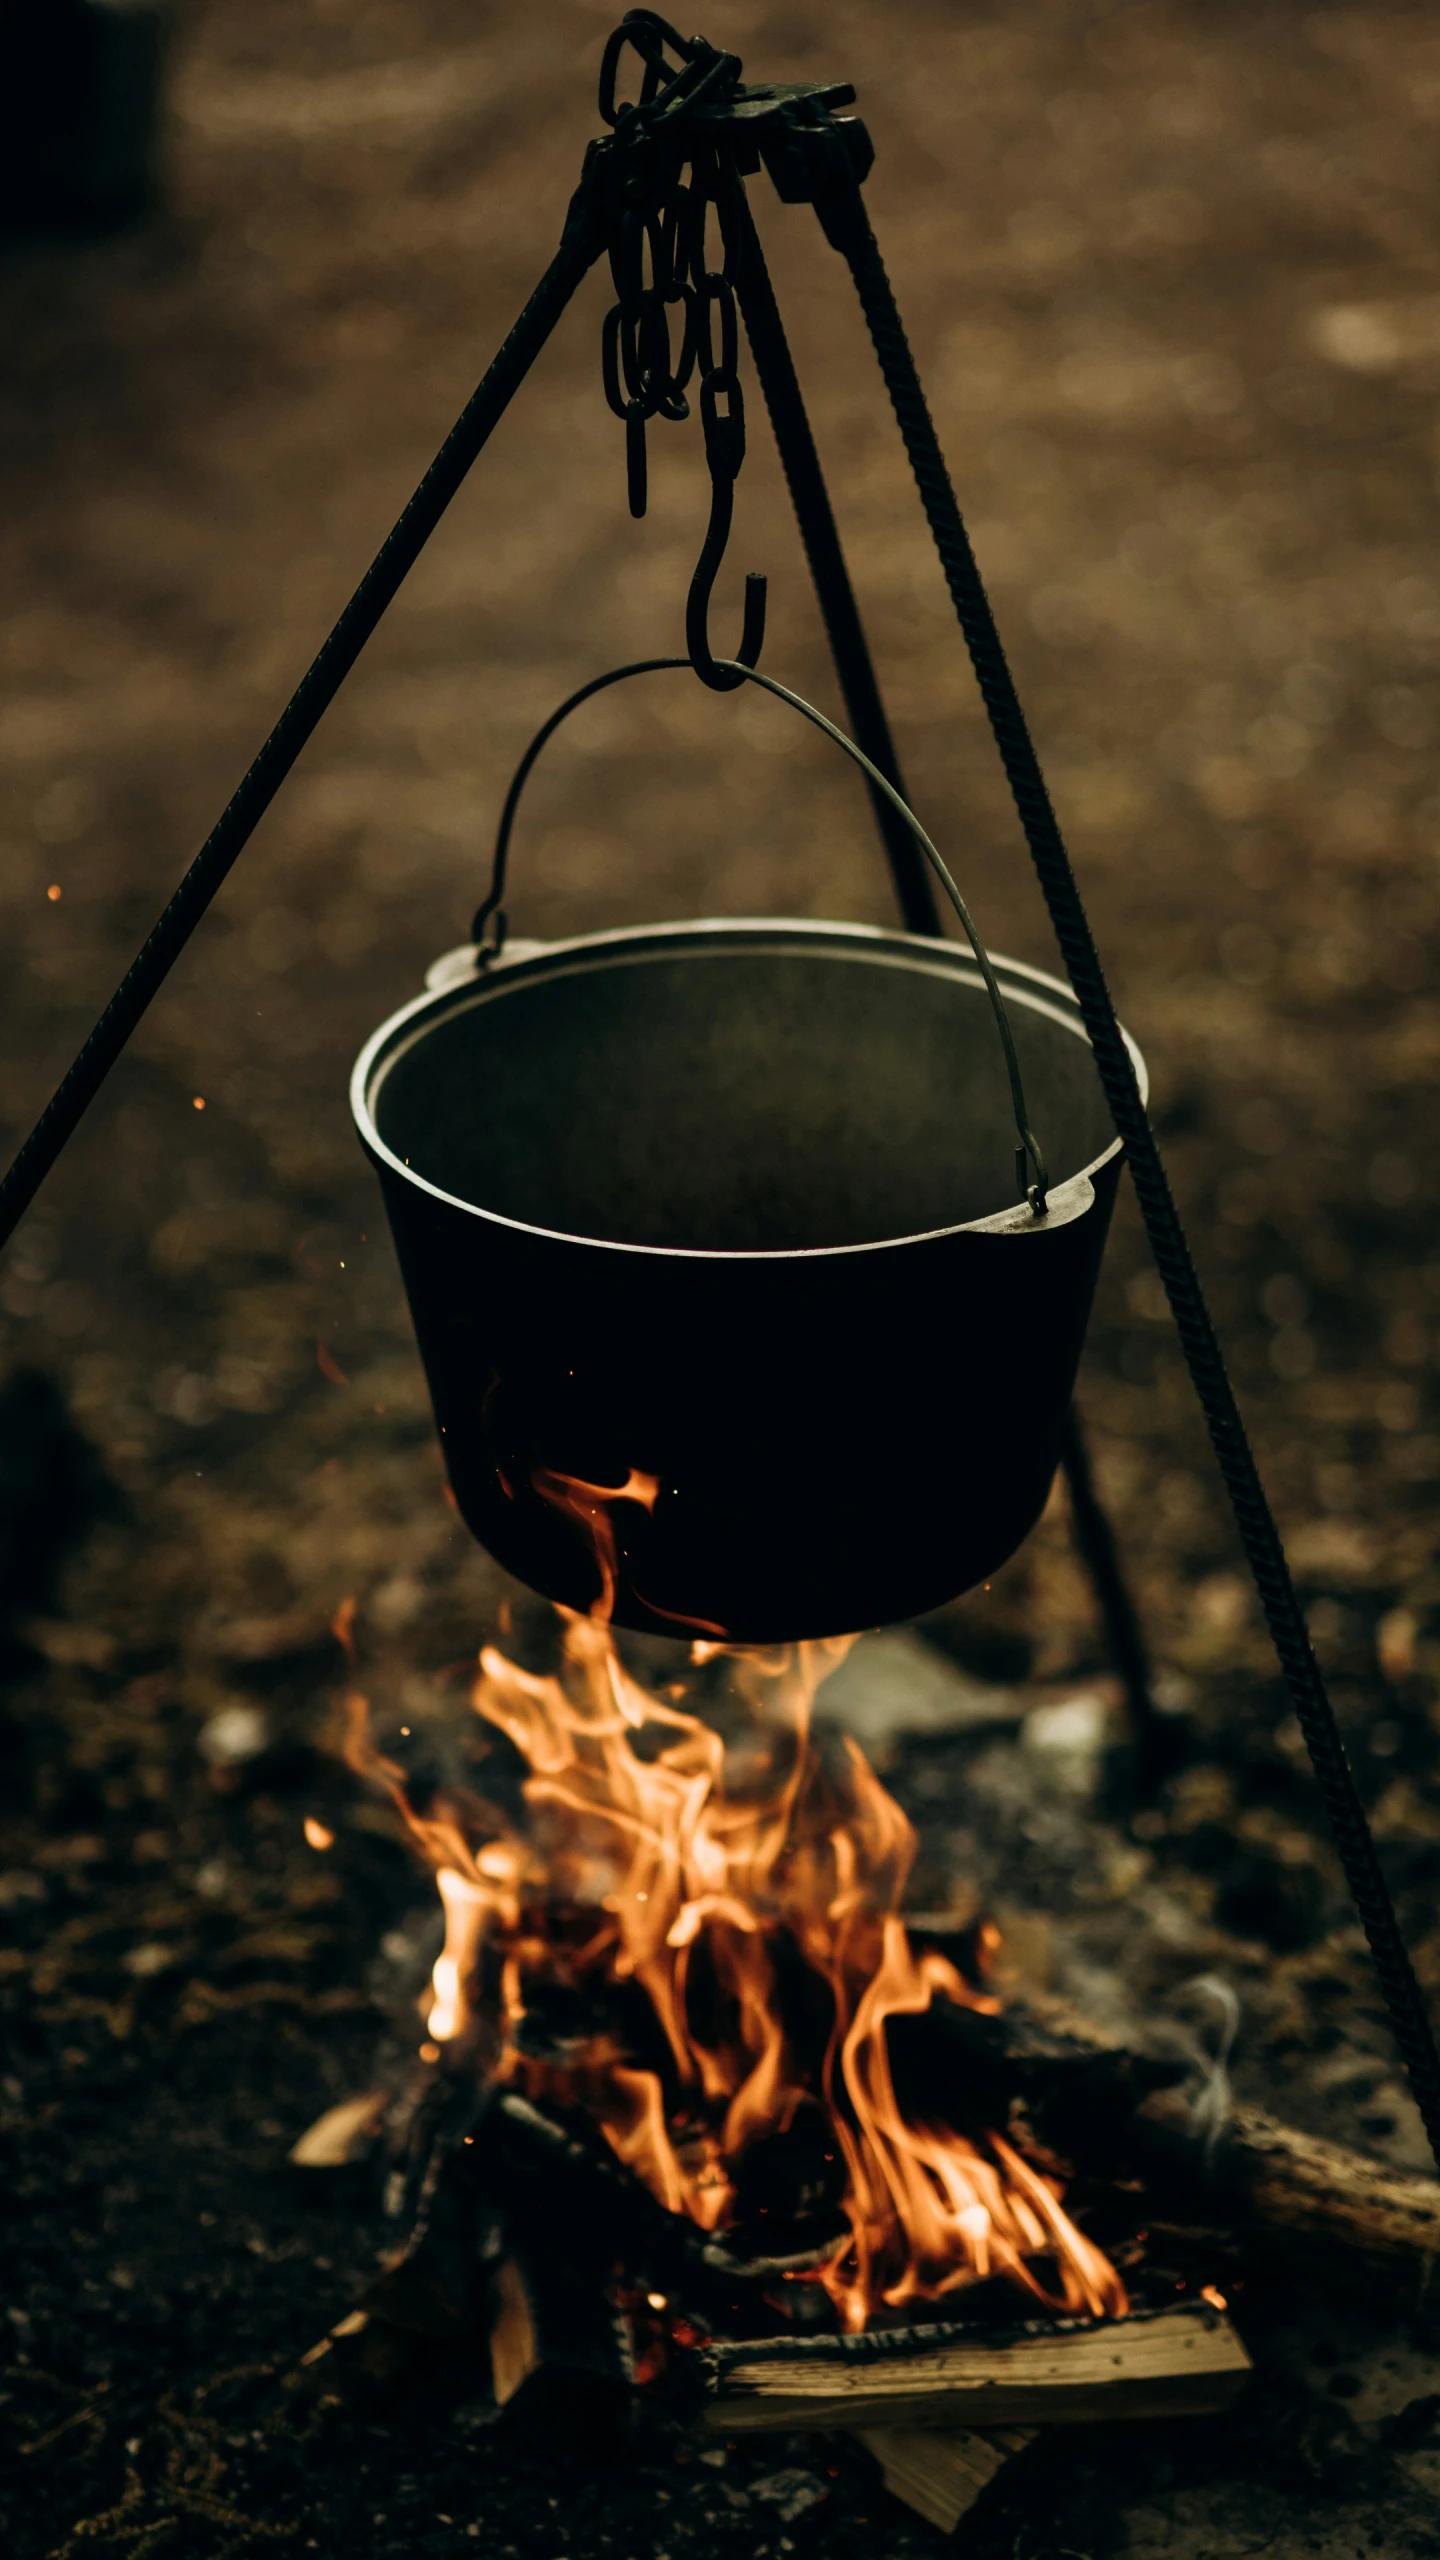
pixel 1186 2363
pixel 427 2305
pixel 941 2472
pixel 560 2356
pixel 345 2136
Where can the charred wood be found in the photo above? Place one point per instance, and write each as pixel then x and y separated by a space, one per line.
pixel 1314 2207
pixel 970 2067
pixel 1305 2204
pixel 1176 2363
pixel 1308 2206
pixel 557 2176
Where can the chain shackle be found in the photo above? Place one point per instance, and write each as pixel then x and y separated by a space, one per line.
pixel 724 428
pixel 711 294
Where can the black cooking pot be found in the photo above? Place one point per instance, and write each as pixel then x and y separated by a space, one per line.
pixel 726 1319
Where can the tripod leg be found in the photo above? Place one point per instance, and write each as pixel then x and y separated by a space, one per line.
pixel 848 229
pixel 1152 1737
pixel 815 516
pixel 580 246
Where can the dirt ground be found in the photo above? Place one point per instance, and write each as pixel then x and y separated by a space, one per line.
pixel 1173 276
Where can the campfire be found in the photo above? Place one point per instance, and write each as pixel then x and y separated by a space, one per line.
pixel 704 2121
pixel 701 2120
pixel 700 2126
pixel 697 1942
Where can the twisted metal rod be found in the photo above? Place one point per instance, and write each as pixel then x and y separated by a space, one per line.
pixel 848 229
pixel 581 244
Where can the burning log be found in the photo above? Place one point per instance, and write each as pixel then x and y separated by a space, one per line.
pixel 560 2186
pixel 1326 2212
pixel 1292 2197
pixel 1310 2206
pixel 1186 2363
pixel 1304 2203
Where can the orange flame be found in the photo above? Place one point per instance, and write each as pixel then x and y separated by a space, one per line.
pixel 707 1875
pixel 588 1505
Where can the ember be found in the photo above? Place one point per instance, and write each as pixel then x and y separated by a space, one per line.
pixel 695 1939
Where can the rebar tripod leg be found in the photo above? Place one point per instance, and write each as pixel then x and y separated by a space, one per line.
pixel 1153 1737
pixel 581 244
pixel 847 227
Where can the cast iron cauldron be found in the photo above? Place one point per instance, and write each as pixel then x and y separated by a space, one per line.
pixel 722 1205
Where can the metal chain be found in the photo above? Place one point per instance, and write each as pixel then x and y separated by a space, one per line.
pixel 652 223
pixel 659 259
pixel 641 381
pixel 715 329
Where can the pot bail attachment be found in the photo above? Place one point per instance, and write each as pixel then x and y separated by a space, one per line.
pixel 488 931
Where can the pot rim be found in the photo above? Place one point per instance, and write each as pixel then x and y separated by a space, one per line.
pixel 1036 989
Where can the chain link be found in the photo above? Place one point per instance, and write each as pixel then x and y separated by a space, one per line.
pixel 659 260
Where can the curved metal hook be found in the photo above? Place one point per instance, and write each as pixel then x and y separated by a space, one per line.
pixel 712 670
pixel 719 673
pixel 722 417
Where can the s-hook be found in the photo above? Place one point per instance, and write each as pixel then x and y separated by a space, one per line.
pixel 722 418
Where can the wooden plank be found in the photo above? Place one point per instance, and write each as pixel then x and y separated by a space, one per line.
pixel 940 2473
pixel 1185 2363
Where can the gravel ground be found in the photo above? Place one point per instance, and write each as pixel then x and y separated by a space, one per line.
pixel 1173 276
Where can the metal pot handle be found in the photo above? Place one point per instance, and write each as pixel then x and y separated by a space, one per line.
pixel 490 925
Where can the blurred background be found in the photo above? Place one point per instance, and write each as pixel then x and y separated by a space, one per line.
pixel 1172 274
